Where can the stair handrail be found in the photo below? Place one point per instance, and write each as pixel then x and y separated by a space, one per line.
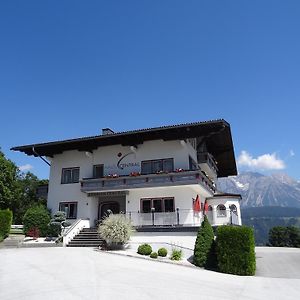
pixel 74 229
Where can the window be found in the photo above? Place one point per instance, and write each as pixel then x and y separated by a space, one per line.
pixel 146 205
pixel 157 165
pixel 159 205
pixel 221 210
pixel 70 208
pixel 97 171
pixel 233 208
pixel 70 175
pixel 169 204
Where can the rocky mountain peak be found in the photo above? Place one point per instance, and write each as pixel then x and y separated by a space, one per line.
pixel 263 190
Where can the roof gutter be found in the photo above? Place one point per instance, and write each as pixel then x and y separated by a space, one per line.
pixel 42 158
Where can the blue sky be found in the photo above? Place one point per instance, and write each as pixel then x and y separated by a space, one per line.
pixel 70 68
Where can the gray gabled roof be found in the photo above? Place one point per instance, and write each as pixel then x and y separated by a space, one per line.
pixel 217 135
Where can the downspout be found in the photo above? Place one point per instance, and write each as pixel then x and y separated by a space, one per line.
pixel 42 158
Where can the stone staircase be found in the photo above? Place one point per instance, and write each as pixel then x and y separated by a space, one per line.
pixel 87 237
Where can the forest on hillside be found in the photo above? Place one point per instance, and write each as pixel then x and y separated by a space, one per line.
pixel 262 219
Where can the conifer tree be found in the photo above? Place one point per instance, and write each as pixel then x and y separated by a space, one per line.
pixel 203 244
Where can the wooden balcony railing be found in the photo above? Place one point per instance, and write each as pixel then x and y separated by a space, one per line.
pixel 149 180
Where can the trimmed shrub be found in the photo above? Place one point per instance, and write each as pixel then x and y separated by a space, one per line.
pixel 284 236
pixel 55 225
pixel 176 254
pixel 203 244
pixel 5 222
pixel 153 255
pixel 144 249
pixel 36 217
pixel 162 252
pixel 236 250
pixel 115 230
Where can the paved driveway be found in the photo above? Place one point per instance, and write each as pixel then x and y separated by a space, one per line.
pixel 83 273
pixel 278 262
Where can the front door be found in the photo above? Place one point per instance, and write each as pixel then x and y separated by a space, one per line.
pixel 105 208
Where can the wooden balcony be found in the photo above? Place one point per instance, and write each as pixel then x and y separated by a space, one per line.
pixel 207 163
pixel 145 181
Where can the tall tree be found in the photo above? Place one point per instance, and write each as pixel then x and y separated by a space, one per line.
pixel 26 196
pixel 17 189
pixel 9 173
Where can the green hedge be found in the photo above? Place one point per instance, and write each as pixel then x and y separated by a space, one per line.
pixel 203 244
pixel 5 222
pixel 36 217
pixel 236 250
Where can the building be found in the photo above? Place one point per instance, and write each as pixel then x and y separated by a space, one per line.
pixel 162 176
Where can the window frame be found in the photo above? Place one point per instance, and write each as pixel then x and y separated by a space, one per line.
pixel 153 161
pixel 94 170
pixel 233 209
pixel 68 203
pixel 219 211
pixel 72 169
pixel 163 206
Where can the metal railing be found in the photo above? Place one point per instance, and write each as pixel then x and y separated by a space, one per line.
pixel 180 217
pixel 73 230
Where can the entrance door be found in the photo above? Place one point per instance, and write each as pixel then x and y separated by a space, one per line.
pixel 105 208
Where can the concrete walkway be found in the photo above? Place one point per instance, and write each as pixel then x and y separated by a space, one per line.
pixel 12 241
pixel 85 273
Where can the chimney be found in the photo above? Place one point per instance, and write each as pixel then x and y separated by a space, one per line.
pixel 106 131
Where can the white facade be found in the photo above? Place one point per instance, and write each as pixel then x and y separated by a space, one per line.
pixel 120 161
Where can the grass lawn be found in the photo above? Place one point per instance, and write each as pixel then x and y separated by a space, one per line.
pixel 16 231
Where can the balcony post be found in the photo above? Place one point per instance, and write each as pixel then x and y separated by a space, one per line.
pixel 177 216
pixel 152 212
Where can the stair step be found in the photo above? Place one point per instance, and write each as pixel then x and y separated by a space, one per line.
pixel 87 237
pixel 87 234
pixel 85 243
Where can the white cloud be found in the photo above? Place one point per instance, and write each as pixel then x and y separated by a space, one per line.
pixel 292 153
pixel 26 167
pixel 263 162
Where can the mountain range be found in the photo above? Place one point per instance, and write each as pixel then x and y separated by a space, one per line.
pixel 259 190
